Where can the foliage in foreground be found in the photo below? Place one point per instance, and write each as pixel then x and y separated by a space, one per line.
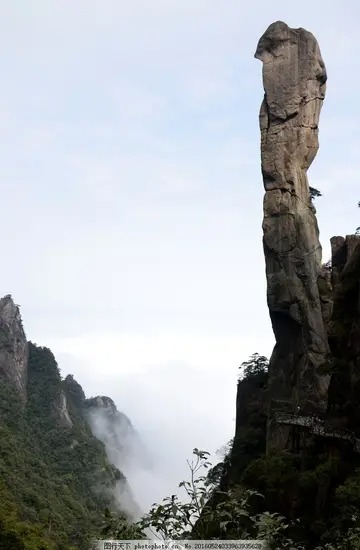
pixel 212 509
pixel 209 513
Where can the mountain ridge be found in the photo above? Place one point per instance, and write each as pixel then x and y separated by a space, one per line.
pixel 55 474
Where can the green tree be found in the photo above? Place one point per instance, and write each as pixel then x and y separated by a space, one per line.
pixel 314 193
pixel 229 517
pixel 349 541
pixel 255 365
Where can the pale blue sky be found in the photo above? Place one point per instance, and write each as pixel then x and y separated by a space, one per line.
pixel 132 195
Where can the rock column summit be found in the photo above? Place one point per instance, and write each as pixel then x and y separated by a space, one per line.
pixel 294 78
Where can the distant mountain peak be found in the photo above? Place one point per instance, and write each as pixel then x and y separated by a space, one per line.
pixel 13 346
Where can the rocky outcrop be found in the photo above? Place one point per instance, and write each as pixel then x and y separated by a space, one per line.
pixel 344 333
pixel 13 346
pixel 294 77
pixel 74 391
pixel 250 430
pixel 325 286
pixel 122 444
pixel 106 404
pixel 342 250
pixel 62 412
pixel 111 426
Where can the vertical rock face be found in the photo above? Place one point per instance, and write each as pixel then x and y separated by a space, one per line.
pixel 325 285
pixel 344 333
pixel 13 346
pixel 249 440
pixel 294 77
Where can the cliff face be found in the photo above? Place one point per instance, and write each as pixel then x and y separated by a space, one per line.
pixel 14 359
pixel 294 79
pixel 115 430
pixel 13 346
pixel 250 431
pixel 112 427
pixel 123 447
pixel 61 408
pixel 344 333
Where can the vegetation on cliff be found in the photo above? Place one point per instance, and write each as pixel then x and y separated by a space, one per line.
pixel 207 512
pixel 293 501
pixel 54 481
pixel 317 491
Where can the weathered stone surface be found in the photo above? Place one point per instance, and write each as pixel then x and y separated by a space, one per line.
pixel 325 287
pixel 294 77
pixel 351 243
pixel 62 412
pixel 344 333
pixel 338 258
pixel 13 346
pixel 250 428
pixel 342 249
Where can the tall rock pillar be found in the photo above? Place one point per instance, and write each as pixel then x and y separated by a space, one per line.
pixel 294 77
